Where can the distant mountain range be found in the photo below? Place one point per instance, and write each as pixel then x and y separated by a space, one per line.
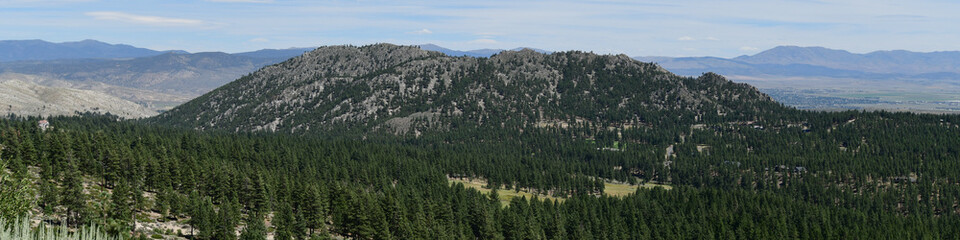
pixel 155 79
pixel 819 61
pixel 174 73
pixel 161 80
pixel 474 53
pixel 31 50
pixel 822 78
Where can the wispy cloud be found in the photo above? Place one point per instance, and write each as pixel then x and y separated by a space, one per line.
pixel 748 49
pixel 142 19
pixel 484 41
pixel 421 31
pixel 259 40
pixel 609 26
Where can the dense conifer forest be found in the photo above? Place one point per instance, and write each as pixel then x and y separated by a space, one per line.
pixel 377 142
pixel 802 175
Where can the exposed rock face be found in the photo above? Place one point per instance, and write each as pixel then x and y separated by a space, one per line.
pixel 24 98
pixel 402 89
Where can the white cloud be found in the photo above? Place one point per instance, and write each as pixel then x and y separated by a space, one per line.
pixel 259 40
pixel 421 31
pixel 141 19
pixel 484 41
pixel 713 39
pixel 748 49
pixel 242 1
pixel 685 38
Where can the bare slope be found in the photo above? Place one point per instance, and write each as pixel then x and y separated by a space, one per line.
pixel 28 99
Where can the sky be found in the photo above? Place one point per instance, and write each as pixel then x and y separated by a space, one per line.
pixel 721 28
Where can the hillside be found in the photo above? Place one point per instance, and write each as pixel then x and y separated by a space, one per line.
pixel 187 74
pixel 157 82
pixel 404 89
pixel 521 145
pixel 27 99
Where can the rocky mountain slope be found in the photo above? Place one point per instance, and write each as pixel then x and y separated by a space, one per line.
pixel 403 89
pixel 21 97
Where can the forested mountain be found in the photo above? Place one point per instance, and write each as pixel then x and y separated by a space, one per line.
pixel 385 137
pixel 403 89
pixel 27 50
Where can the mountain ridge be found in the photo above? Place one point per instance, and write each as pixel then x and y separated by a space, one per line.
pixel 158 81
pixel 486 52
pixel 405 89
pixel 32 50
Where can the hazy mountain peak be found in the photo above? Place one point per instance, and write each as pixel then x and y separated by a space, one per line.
pixel 796 54
pixel 21 50
pixel 896 61
pixel 485 52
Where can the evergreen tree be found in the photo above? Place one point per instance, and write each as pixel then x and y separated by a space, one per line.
pixel 225 227
pixel 73 198
pixel 16 195
pixel 255 229
pixel 121 206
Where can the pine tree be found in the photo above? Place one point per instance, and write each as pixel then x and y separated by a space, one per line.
pixel 255 229
pixel 315 209
pixel 203 216
pixel 121 205
pixel 284 222
pixel 49 195
pixel 16 195
pixel 226 223
pixel 74 200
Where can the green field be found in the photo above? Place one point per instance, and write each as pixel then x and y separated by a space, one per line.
pixel 610 189
pixel 622 189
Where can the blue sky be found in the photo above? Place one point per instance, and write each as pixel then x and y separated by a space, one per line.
pixel 724 28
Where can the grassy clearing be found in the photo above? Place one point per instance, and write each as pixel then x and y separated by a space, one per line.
pixel 623 189
pixel 610 189
pixel 505 195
